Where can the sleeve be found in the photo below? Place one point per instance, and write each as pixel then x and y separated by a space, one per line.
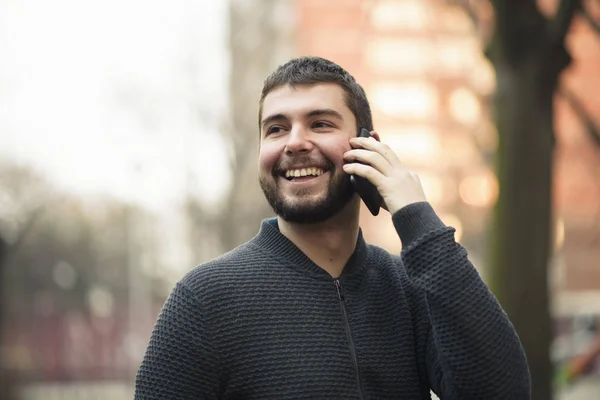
pixel 180 361
pixel 472 349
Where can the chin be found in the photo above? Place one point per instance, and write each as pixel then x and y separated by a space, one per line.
pixel 310 204
pixel 312 211
pixel 303 200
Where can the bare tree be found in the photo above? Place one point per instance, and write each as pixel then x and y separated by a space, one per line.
pixel 529 55
pixel 22 196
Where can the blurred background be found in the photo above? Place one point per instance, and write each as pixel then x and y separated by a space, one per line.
pixel 128 143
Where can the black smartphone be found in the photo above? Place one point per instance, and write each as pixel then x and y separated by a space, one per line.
pixel 365 189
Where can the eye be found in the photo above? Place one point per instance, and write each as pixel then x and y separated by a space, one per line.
pixel 322 124
pixel 274 130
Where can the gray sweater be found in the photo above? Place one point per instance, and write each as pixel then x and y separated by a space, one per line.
pixel 264 322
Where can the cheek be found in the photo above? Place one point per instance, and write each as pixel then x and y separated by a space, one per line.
pixel 335 151
pixel 268 156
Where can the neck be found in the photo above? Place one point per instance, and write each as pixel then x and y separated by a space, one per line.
pixel 329 244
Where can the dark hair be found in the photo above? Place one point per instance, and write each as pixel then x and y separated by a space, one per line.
pixel 312 70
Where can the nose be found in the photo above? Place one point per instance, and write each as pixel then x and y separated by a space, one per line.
pixel 298 141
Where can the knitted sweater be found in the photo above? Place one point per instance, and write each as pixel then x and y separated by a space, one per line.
pixel 264 322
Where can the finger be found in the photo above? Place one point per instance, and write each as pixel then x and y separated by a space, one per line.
pixel 365 171
pixel 371 158
pixel 371 144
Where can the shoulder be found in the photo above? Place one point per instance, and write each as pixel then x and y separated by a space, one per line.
pixel 386 261
pixel 222 271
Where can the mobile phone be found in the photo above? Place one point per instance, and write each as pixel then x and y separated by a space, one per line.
pixel 365 189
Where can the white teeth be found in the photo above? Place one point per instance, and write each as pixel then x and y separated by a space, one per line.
pixel 296 173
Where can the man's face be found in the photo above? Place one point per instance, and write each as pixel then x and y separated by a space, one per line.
pixel 304 134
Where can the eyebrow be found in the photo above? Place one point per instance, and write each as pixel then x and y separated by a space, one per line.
pixel 324 112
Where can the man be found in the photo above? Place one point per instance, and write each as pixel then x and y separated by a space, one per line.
pixel 308 310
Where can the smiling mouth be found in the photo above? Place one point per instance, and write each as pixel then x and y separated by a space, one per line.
pixel 303 173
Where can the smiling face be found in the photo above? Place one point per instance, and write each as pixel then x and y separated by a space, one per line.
pixel 304 133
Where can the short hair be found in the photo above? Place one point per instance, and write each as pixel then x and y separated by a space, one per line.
pixel 313 70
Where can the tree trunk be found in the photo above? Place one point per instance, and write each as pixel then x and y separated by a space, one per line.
pixel 522 229
pixel 259 40
pixel 528 53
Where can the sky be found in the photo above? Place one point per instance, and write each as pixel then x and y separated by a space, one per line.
pixel 119 97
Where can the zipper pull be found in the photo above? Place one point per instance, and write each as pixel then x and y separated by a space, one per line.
pixel 338 286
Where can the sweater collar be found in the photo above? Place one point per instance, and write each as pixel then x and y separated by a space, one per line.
pixel 270 239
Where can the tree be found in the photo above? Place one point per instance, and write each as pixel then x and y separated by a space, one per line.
pixel 66 266
pixel 23 196
pixel 528 52
pixel 258 42
pixel 73 274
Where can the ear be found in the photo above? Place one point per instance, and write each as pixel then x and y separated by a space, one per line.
pixel 376 136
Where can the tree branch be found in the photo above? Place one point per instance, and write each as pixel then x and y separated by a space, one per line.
pixel 595 25
pixel 559 27
pixel 10 249
pixel 584 116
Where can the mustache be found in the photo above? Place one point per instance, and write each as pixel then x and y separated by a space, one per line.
pixel 301 162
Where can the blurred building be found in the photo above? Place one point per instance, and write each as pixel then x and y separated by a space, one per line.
pixel 576 266
pixel 577 190
pixel 422 65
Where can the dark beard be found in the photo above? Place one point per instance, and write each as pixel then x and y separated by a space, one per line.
pixel 339 193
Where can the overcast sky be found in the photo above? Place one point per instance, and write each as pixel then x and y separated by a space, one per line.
pixel 96 95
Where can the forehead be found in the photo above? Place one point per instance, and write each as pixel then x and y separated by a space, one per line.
pixel 301 99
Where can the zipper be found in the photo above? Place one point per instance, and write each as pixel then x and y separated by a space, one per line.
pixel 338 286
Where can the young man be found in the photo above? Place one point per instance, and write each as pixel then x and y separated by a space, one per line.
pixel 307 309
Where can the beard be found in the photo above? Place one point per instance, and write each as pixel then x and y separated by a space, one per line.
pixel 307 208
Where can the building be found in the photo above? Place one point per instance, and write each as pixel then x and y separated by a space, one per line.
pixel 422 65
